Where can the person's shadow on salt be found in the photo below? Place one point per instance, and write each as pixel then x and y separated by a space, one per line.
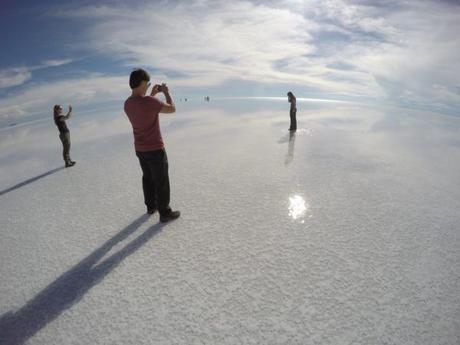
pixel 33 179
pixel 67 290
pixel 290 137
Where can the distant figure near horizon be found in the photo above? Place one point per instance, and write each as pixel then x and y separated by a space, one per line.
pixel 292 111
pixel 64 133
pixel 143 113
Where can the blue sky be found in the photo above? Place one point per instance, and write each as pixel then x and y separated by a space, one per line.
pixel 81 52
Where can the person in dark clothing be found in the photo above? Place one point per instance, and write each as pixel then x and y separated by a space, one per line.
pixel 143 113
pixel 292 111
pixel 64 133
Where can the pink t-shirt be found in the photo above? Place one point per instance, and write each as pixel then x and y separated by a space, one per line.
pixel 143 112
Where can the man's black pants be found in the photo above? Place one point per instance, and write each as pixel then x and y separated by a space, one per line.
pixel 155 179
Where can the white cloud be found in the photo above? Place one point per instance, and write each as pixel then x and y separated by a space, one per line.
pixel 56 62
pixel 409 49
pixel 14 77
pixel 41 98
pixel 205 42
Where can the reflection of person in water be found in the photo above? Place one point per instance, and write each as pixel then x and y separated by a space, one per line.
pixel 292 111
pixel 64 133
pixel 290 154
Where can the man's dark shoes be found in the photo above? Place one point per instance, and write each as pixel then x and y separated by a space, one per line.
pixel 69 164
pixel 171 215
pixel 151 210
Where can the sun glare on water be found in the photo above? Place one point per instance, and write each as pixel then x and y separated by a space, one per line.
pixel 297 206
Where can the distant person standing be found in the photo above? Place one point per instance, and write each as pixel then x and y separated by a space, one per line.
pixel 64 133
pixel 292 111
pixel 143 113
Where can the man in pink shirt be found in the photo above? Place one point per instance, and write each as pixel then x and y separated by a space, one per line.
pixel 143 113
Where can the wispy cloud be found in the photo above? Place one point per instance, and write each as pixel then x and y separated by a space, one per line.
pixel 15 76
pixel 41 98
pixel 54 63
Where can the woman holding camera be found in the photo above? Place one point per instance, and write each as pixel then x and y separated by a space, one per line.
pixel 64 133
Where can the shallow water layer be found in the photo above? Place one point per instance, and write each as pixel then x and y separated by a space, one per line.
pixel 344 231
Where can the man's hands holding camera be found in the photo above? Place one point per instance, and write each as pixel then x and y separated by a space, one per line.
pixel 159 88
pixel 169 101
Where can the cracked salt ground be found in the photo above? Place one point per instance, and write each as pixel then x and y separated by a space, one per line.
pixel 345 232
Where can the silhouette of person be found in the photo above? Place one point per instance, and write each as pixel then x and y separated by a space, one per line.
pixel 292 111
pixel 64 133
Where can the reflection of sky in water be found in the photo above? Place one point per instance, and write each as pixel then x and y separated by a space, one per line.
pixel 297 207
pixel 332 139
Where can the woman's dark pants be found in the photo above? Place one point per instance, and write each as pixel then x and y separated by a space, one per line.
pixel 293 126
pixel 65 138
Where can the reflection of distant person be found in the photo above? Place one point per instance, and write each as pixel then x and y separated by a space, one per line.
pixel 143 113
pixel 64 133
pixel 290 154
pixel 292 111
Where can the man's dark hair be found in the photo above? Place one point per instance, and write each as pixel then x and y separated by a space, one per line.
pixel 137 76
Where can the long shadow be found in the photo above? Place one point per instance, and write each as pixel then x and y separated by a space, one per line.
pixel 67 290
pixel 33 179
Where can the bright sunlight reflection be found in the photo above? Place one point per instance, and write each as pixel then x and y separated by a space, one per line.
pixel 297 206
